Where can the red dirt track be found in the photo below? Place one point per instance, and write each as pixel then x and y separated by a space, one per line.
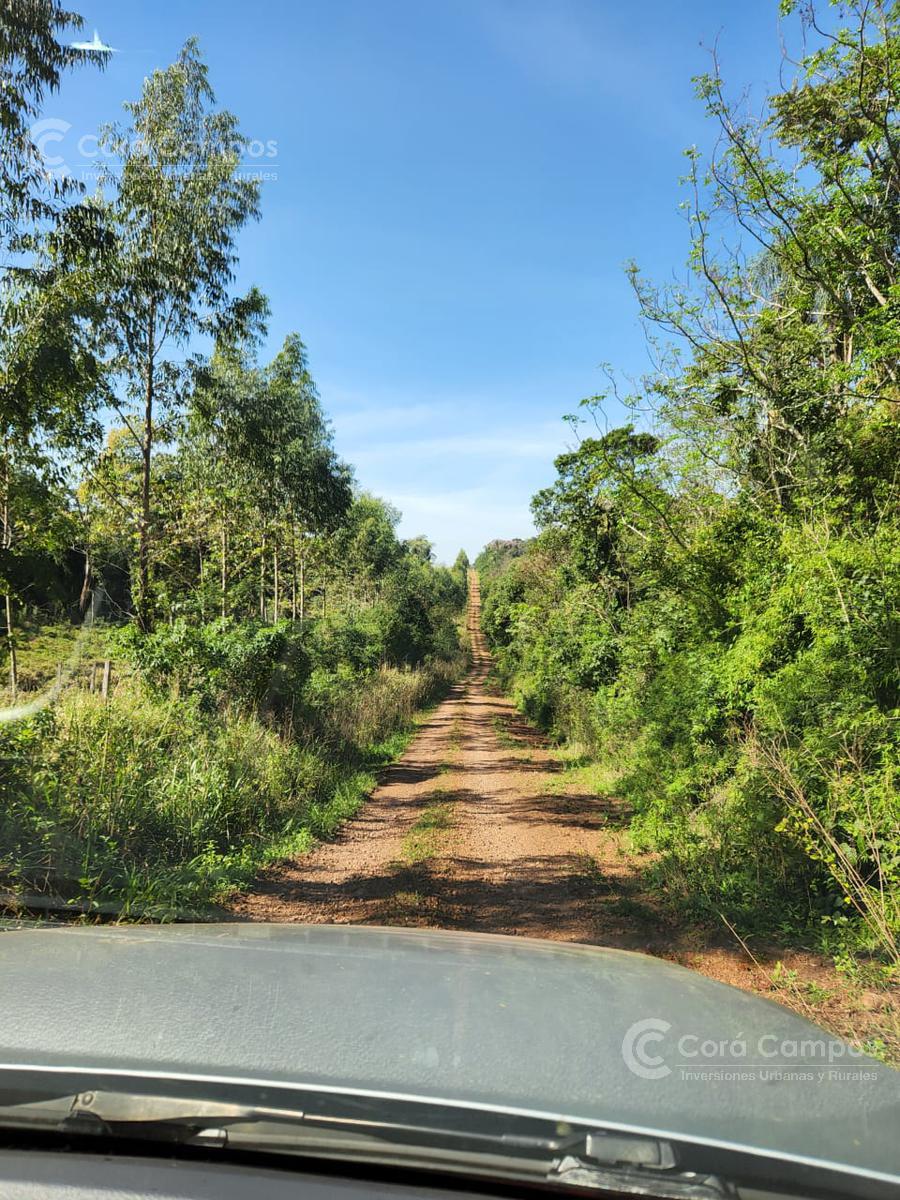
pixel 520 857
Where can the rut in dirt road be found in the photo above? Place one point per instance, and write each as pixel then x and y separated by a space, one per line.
pixel 471 829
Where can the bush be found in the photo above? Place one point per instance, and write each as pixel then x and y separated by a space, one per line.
pixel 760 757
pixel 155 806
pixel 232 744
pixel 218 663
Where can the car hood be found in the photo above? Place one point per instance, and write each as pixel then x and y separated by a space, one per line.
pixel 573 1032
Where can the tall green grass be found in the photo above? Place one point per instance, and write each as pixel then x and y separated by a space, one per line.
pixel 150 806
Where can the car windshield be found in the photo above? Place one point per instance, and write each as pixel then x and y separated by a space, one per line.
pixel 295 302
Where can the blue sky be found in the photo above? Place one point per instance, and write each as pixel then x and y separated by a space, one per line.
pixel 456 185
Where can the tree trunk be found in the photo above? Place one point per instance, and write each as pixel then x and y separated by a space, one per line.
pixel 276 584
pixel 223 579
pixel 302 586
pixel 293 572
pixel 6 541
pixel 11 648
pixel 85 597
pixel 143 606
pixel 262 580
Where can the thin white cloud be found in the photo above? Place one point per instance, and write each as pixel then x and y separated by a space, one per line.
pixel 468 518
pixel 551 41
pixel 461 468
pixel 574 48
pixel 534 446
pixel 376 418
pixel 452 503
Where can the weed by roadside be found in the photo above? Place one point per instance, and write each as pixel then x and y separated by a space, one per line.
pixel 152 808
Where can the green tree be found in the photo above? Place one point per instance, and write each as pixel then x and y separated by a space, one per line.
pixel 260 448
pixel 713 602
pixel 368 537
pixel 51 388
pixel 306 490
pixel 32 62
pixel 179 203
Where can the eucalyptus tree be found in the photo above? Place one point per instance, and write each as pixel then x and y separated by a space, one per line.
pixel 218 442
pixel 46 369
pixel 261 451
pixel 368 537
pixel 179 201
pixel 298 446
pixel 51 390
pixel 32 62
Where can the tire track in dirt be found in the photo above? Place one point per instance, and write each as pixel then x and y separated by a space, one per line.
pixel 527 856
pixel 520 857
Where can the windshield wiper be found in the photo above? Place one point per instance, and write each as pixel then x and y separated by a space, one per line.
pixel 631 1164
pixel 637 1180
pixel 125 1114
pixel 340 1127
pixel 614 1161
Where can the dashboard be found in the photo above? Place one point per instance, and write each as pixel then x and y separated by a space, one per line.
pixel 62 1175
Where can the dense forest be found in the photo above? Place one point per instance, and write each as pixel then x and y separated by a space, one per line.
pixel 711 603
pixel 174 507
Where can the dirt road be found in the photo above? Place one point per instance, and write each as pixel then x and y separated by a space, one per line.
pixel 470 830
pixel 479 826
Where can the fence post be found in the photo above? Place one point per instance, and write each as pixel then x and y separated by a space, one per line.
pixel 104 686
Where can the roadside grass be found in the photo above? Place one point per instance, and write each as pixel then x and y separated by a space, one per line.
pixel 495 683
pixel 147 807
pixel 854 996
pixel 862 1007
pixel 464 638
pixel 509 741
pixel 579 772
